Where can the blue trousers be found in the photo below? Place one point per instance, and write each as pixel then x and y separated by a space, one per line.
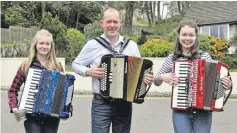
pixel 192 121
pixel 41 124
pixel 104 112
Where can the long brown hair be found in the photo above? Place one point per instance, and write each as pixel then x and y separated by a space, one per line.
pixel 178 51
pixel 51 62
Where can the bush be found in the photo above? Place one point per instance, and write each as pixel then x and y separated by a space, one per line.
pixel 233 40
pixel 92 30
pixel 218 47
pixel 76 41
pixel 156 48
pixel 230 61
pixel 172 36
pixel 204 42
pixel 164 27
pixel 133 37
pixel 14 50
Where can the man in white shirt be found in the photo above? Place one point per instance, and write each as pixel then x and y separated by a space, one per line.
pixel 103 111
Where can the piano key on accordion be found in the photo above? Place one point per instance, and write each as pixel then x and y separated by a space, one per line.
pixel 30 90
pixel 123 77
pixel 199 85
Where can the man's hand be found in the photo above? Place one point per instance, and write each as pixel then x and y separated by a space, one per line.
pixel 96 72
pixel 148 78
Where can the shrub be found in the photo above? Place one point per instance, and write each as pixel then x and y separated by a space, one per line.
pixel 133 37
pixel 156 48
pixel 76 41
pixel 218 47
pixel 172 36
pixel 204 42
pixel 233 40
pixel 230 61
pixel 92 30
pixel 14 50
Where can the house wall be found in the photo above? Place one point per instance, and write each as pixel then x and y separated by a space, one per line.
pixel 233 30
pixel 9 67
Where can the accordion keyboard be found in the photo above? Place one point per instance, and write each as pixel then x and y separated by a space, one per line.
pixel 104 80
pixel 180 92
pixel 30 90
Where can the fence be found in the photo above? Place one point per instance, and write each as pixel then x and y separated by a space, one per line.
pixel 17 34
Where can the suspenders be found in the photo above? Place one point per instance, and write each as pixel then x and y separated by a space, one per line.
pixel 107 45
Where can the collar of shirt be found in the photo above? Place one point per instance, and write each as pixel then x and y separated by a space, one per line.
pixel 117 43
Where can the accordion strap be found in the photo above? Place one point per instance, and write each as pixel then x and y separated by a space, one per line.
pixel 227 97
pixel 107 45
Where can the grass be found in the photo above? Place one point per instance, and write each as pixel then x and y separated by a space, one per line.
pixel 233 70
pixel 136 23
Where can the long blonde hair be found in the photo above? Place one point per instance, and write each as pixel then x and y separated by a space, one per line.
pixel 51 62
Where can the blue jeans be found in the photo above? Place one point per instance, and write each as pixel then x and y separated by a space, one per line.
pixel 41 124
pixel 104 112
pixel 192 122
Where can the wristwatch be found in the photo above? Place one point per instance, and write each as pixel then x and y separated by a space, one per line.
pixel 86 73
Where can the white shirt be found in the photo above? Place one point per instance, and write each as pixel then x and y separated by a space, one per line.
pixel 92 52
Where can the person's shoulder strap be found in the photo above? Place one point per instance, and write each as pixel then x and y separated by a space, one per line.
pixel 125 43
pixel 104 43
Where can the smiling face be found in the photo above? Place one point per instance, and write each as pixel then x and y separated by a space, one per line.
pixel 111 23
pixel 43 45
pixel 187 37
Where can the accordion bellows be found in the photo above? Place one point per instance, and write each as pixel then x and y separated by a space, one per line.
pixel 48 92
pixel 123 77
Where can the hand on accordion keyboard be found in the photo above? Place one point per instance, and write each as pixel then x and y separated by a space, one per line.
pixel 170 78
pixel 148 78
pixel 226 82
pixel 96 72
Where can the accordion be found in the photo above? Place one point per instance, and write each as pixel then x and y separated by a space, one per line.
pixel 47 92
pixel 123 77
pixel 199 85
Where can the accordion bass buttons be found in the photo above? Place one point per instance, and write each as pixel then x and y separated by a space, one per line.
pixel 104 80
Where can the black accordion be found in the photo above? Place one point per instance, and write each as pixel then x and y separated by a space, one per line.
pixel 48 92
pixel 123 77
pixel 200 85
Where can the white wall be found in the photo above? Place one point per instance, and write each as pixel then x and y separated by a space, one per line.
pixel 9 67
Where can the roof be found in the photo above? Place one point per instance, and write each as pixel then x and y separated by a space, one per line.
pixel 212 12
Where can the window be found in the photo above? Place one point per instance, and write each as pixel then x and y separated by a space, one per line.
pixel 205 30
pixel 219 31
pixel 214 31
pixel 222 31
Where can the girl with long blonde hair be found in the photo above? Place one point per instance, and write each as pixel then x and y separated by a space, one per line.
pixel 41 56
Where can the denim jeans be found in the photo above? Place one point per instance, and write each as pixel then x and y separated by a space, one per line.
pixel 104 112
pixel 41 124
pixel 192 121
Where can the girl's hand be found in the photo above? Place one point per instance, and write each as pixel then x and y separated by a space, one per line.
pixel 170 78
pixel 226 82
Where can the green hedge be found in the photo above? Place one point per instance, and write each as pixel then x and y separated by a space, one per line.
pixel 156 48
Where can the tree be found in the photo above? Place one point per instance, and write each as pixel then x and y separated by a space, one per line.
pixel 178 7
pixel 59 31
pixel 128 21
